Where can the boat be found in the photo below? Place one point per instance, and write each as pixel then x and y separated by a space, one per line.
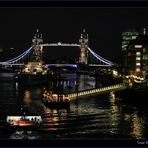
pixel 55 100
pixel 24 122
pixel 32 74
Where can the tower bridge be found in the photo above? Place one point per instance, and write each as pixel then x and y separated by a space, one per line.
pixel 86 53
pixel 87 56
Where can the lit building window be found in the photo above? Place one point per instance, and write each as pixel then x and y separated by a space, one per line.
pixel 138 46
pixel 138 64
pixel 145 57
pixel 144 49
pixel 138 58
pixel 134 37
pixel 138 53
pixel 137 69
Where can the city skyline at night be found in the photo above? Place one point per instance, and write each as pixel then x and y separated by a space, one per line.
pixel 104 26
pixel 71 73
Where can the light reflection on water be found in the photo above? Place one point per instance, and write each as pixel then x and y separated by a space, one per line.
pixel 137 126
pixel 96 116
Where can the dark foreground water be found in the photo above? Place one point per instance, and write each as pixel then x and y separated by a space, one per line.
pixel 98 116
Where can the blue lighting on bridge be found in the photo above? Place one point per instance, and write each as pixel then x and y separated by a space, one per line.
pixel 62 65
pixel 99 61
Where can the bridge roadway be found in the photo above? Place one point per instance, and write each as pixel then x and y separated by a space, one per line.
pixel 102 90
pixel 60 44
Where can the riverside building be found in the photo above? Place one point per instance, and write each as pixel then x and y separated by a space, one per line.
pixel 135 54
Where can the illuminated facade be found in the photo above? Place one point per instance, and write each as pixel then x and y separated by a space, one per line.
pixel 136 55
pixel 83 59
pixel 37 50
pixel 127 37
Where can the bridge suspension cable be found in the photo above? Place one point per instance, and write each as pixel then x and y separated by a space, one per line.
pixel 18 57
pixel 107 62
pixel 100 58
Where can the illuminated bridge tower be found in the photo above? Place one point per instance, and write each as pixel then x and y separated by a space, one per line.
pixel 83 59
pixel 37 49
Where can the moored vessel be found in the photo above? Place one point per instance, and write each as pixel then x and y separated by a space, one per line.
pixel 24 122
pixel 55 100
pixel 33 73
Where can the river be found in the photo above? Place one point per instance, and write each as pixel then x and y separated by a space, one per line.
pixel 97 116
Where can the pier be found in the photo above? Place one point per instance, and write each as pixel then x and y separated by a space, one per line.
pixel 102 90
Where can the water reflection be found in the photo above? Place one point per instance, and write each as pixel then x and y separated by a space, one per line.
pixel 137 126
pixel 115 113
pixel 132 123
pixel 52 118
pixel 27 98
pixel 93 116
pixel 86 82
pixel 30 135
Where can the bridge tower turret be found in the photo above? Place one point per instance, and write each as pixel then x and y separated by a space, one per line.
pixel 83 59
pixel 37 50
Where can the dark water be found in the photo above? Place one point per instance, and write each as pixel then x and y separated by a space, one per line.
pixel 98 116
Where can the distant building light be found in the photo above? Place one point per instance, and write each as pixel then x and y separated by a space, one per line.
pixel 134 37
pixel 127 77
pixel 59 43
pixel 115 73
pixel 144 31
pixel 138 53
pixel 138 69
pixel 138 46
pixel 138 58
pixel 138 64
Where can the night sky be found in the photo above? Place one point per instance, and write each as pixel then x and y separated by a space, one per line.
pixel 104 26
